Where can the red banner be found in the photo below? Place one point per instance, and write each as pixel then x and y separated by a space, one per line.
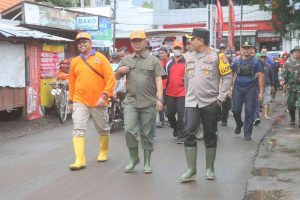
pixel 231 25
pixel 220 21
pixel 33 102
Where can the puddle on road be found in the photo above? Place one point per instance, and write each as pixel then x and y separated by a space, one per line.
pixel 266 195
pixel 264 172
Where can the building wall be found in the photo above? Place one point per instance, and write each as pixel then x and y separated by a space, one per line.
pixel 163 15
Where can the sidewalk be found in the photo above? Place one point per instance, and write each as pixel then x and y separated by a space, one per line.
pixel 21 127
pixel 276 173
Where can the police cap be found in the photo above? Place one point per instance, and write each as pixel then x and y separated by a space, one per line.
pixel 247 44
pixel 199 32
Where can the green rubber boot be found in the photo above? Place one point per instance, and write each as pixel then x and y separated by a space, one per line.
pixel 210 159
pixel 147 167
pixel 134 159
pixel 191 157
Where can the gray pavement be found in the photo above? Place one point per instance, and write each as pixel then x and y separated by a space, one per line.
pixel 36 167
pixel 277 163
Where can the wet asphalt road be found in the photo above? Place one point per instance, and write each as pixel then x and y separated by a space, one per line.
pixel 35 167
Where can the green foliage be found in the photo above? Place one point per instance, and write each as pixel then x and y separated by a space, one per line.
pixel 63 3
pixel 147 5
pixel 285 16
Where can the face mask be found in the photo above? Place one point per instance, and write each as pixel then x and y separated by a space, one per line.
pixel 177 52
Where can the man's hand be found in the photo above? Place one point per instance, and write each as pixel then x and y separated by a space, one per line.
pixel 219 103
pixel 260 96
pixel 123 70
pixel 159 105
pixel 230 94
pixel 101 102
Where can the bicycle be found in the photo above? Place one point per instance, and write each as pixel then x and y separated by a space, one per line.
pixel 61 94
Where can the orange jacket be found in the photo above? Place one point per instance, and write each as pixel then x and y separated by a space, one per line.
pixel 85 86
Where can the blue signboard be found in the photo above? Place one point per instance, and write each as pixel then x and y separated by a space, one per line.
pixel 87 23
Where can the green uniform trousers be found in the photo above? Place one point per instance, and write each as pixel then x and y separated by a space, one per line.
pixel 139 120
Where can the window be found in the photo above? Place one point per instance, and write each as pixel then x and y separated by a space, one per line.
pixel 187 4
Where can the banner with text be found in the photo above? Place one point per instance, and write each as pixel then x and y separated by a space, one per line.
pixel 50 58
pixel 33 103
pixel 220 21
pixel 231 25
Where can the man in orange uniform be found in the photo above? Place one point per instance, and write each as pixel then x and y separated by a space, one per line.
pixel 64 67
pixel 91 82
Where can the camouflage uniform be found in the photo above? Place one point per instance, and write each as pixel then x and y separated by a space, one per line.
pixel 292 80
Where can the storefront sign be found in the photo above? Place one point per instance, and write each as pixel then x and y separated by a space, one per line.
pixel 102 37
pixel 49 16
pixel 89 23
pixel 51 55
pixel 33 104
pixel 252 25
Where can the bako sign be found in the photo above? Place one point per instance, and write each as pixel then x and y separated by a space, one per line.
pixel 89 23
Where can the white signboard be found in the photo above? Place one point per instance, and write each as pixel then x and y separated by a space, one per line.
pixel 89 23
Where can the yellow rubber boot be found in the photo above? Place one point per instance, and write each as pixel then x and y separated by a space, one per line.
pixel 80 162
pixel 103 152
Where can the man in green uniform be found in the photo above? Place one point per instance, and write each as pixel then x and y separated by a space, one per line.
pixel 144 96
pixel 292 80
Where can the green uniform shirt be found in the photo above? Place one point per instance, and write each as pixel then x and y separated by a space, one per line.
pixel 292 76
pixel 140 80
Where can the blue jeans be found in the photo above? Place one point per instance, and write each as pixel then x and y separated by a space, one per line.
pixel 248 96
pixel 256 112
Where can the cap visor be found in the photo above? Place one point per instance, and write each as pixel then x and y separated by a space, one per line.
pixel 189 36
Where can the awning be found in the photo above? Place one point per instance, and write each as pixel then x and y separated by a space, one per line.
pixel 12 29
pixel 244 33
pixel 168 32
pixel 267 34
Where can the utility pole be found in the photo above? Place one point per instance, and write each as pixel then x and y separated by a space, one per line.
pixel 82 3
pixel 114 24
pixel 241 24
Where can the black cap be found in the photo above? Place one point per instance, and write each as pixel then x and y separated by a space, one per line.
pixel 247 44
pixel 199 32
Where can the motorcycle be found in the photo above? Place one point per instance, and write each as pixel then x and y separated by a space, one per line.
pixel 116 111
pixel 60 91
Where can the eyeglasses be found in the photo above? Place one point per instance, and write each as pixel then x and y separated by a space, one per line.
pixel 82 42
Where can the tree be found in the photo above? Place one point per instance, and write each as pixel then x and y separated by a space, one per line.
pixel 286 14
pixel 62 3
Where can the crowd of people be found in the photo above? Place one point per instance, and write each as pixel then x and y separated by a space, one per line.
pixel 193 89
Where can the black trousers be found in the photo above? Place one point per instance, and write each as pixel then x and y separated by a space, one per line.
pixel 226 106
pixel 209 117
pixel 175 105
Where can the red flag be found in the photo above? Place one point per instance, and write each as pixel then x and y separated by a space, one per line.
pixel 231 25
pixel 220 21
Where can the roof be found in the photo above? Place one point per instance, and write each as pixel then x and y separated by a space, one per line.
pixel 5 4
pixel 12 29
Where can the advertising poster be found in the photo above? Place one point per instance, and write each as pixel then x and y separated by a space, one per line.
pixel 51 56
pixel 33 104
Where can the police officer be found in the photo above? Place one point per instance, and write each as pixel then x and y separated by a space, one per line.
pixel 143 96
pixel 204 70
pixel 248 75
pixel 292 80
pixel 226 105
